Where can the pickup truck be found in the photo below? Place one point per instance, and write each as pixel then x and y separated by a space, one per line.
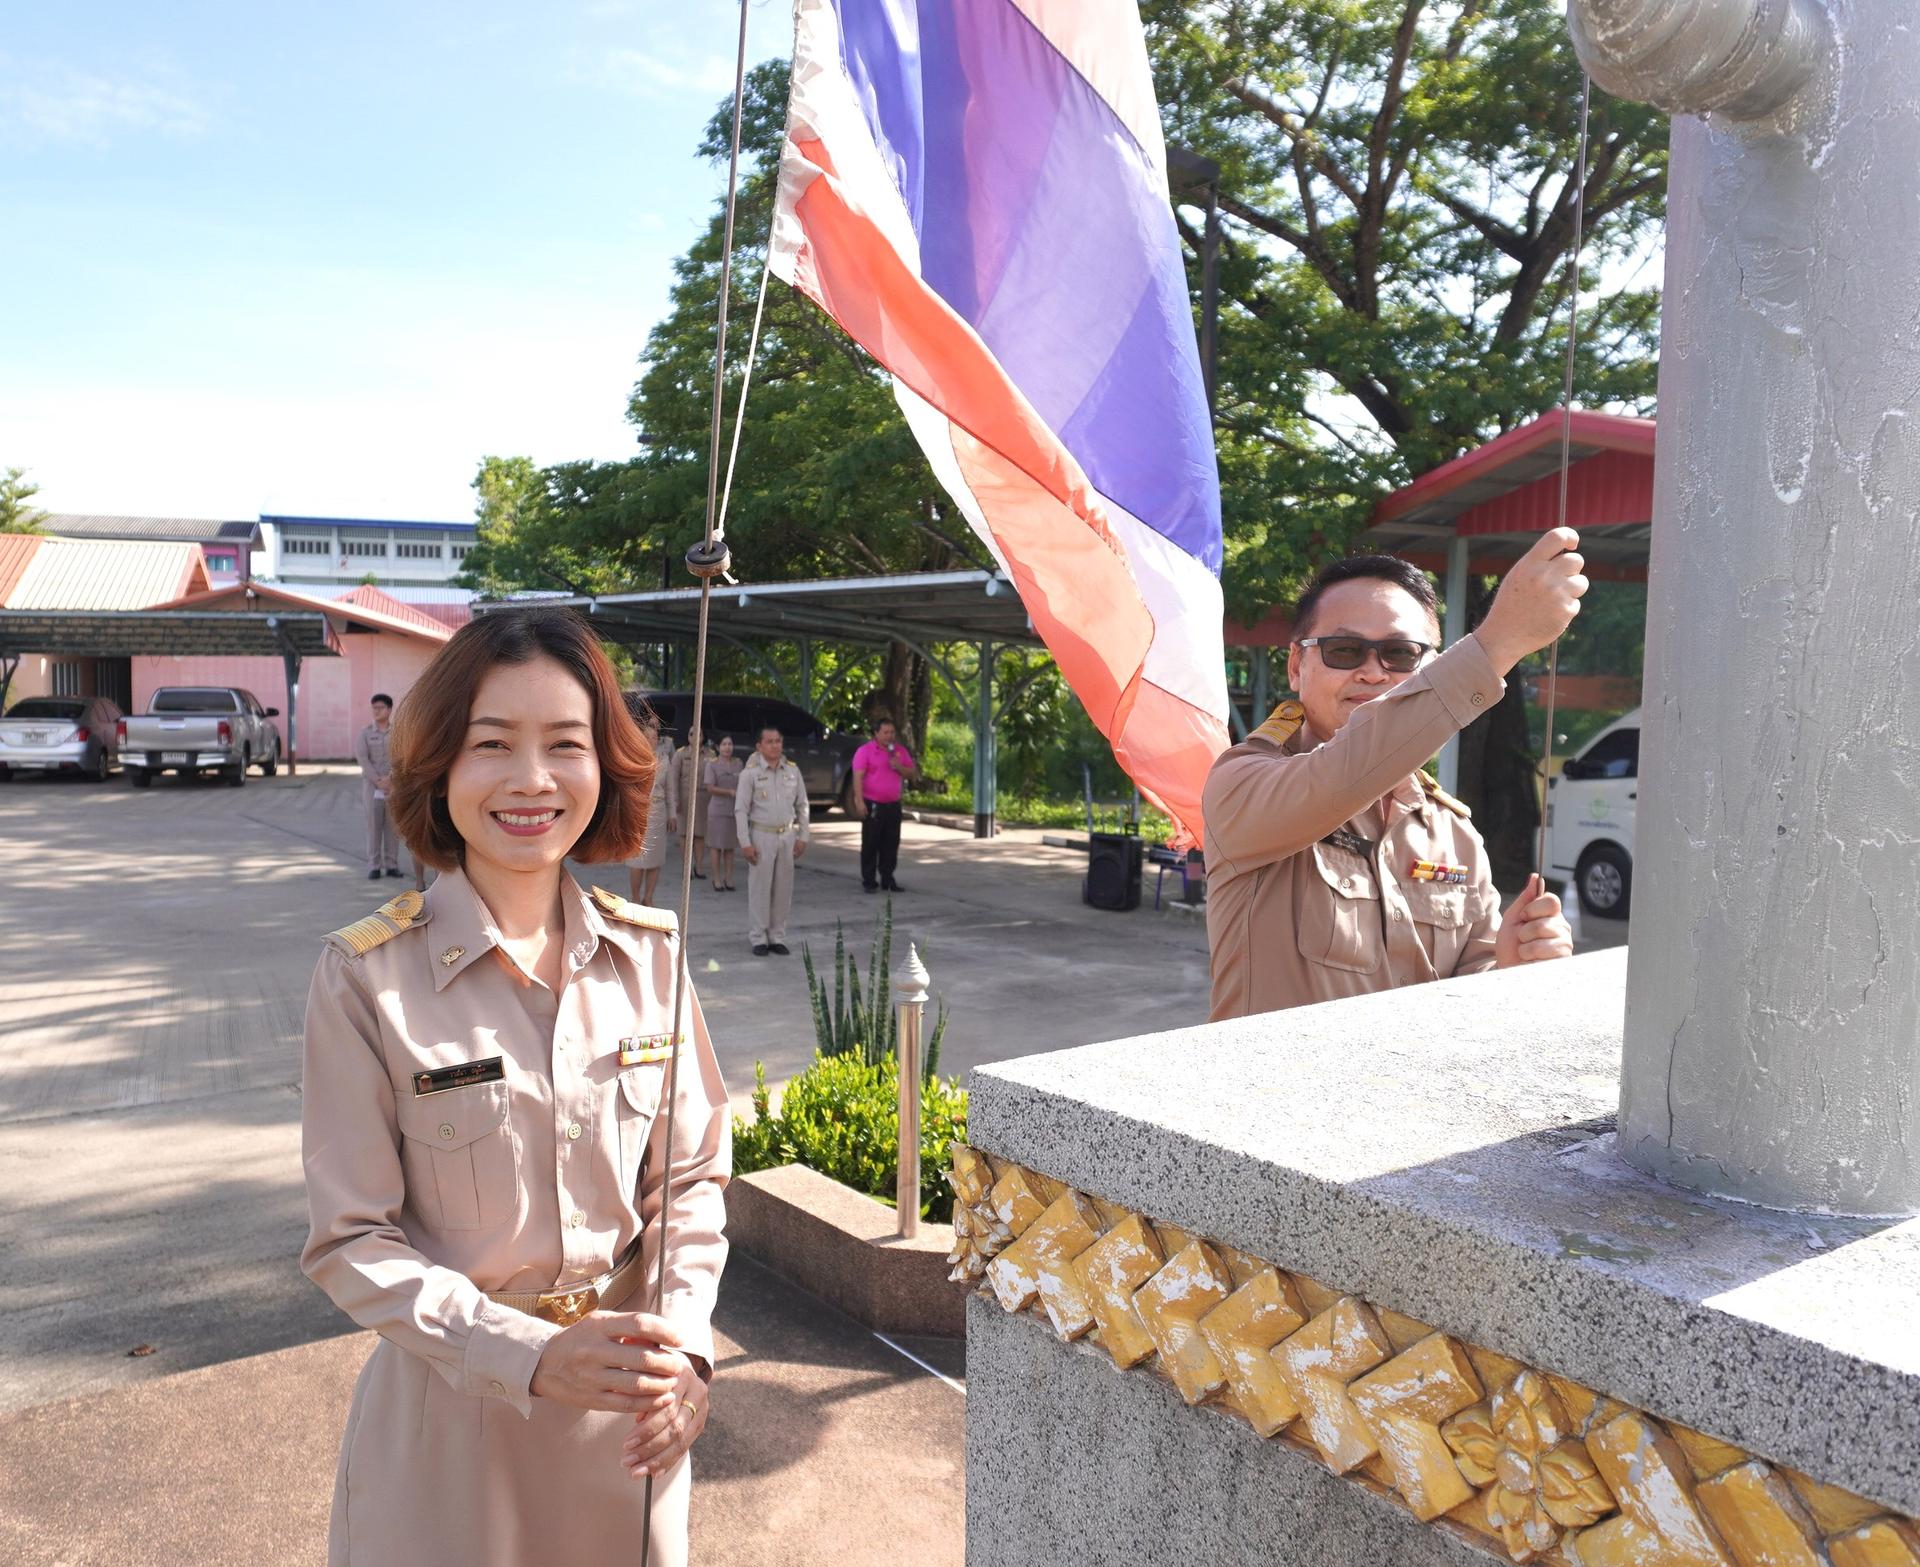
pixel 194 729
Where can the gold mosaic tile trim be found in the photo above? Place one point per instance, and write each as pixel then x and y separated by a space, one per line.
pixel 1524 1463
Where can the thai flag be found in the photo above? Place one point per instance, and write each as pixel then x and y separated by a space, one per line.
pixel 976 191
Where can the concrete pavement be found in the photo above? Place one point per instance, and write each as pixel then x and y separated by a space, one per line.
pixel 826 1448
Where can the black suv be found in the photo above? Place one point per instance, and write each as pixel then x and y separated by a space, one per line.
pixel 825 758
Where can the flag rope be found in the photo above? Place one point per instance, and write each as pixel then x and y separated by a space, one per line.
pixel 1566 444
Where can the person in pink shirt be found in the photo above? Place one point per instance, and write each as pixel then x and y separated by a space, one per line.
pixel 881 768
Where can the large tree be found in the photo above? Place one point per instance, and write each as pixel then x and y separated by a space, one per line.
pixel 1396 179
pixel 1398 184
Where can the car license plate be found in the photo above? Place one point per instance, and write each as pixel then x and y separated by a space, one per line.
pixel 173 758
pixel 33 737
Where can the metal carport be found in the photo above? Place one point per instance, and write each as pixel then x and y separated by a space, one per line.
pixel 918 609
pixel 126 633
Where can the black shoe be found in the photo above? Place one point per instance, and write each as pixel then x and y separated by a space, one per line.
pixel 393 870
pixel 759 952
pixel 373 875
pixel 893 886
pixel 699 875
pixel 779 950
pixel 869 886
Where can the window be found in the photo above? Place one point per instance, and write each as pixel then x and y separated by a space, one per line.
pixel 365 548
pixel 459 551
pixel 194 699
pixel 220 563
pixel 48 707
pixel 1612 756
pixel 794 723
pixel 302 544
pixel 417 551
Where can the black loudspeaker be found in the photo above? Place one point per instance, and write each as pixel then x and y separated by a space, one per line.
pixel 1113 871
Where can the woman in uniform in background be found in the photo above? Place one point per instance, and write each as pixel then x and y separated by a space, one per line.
pixel 486 1137
pixel 663 811
pixel 720 782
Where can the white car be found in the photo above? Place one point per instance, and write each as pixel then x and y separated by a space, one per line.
pixel 1590 811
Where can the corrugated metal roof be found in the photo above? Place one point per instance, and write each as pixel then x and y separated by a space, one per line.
pixel 16 549
pixel 451 607
pixel 369 597
pixel 106 574
pixel 262 595
pixel 189 530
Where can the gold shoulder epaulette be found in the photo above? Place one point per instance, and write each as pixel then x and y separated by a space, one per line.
pixel 386 922
pixel 641 914
pixel 1440 796
pixel 1282 724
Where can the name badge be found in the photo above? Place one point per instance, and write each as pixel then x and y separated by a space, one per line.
pixel 1352 841
pixel 467 1074
pixel 641 1049
pixel 1439 871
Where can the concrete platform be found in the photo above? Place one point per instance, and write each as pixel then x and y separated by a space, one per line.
pixel 232 1465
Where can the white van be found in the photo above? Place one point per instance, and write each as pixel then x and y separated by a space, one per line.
pixel 1590 810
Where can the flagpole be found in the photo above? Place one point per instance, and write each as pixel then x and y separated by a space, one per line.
pixel 706 560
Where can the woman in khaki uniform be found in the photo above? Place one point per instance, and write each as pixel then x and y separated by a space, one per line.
pixel 485 1137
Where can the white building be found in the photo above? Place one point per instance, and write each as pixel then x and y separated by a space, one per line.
pixel 342 551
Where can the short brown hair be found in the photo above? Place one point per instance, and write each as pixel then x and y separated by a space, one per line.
pixel 431 726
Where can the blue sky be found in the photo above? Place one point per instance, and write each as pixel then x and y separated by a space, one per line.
pixel 321 259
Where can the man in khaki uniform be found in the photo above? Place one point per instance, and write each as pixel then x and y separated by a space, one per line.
pixel 770 811
pixel 1335 867
pixel 370 751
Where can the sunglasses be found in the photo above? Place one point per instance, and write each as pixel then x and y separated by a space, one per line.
pixel 1398 655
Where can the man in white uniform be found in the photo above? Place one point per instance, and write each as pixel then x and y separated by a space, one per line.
pixel 770 811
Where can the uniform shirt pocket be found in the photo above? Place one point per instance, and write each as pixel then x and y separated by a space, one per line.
pixel 457 1151
pixel 636 1103
pixel 1438 903
pixel 1337 911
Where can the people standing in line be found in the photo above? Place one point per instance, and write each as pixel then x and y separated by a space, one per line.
pixel 692 800
pixel 1335 865
pixel 663 811
pixel 376 779
pixel 720 784
pixel 881 769
pixel 770 815
pixel 486 1143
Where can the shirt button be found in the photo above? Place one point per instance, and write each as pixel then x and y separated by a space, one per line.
pixel 1479 700
pixel 446 1130
pixel 578 1219
pixel 498 1387
pixel 1397 916
pixel 573 1132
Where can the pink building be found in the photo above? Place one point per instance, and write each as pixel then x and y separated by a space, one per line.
pixel 383 644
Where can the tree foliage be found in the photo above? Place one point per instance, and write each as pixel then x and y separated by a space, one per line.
pixel 1396 179
pixel 576 527
pixel 17 513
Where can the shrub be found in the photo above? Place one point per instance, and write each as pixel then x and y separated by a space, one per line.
pixel 866 1025
pixel 840 1117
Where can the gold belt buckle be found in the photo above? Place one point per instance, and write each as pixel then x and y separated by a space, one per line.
pixel 567 1307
